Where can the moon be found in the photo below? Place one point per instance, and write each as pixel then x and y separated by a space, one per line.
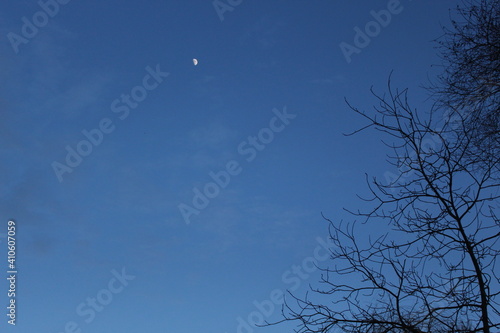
pixel 195 62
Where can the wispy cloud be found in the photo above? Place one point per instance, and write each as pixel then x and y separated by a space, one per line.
pixel 265 31
pixel 336 79
pixel 205 147
pixel 214 136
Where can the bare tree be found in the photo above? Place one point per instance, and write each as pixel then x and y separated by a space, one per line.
pixel 435 270
pixel 435 267
pixel 470 83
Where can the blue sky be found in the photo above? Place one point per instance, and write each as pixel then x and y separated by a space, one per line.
pixel 118 210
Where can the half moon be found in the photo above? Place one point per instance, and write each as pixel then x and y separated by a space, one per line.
pixel 195 62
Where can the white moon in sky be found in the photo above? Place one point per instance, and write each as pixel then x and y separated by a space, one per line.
pixel 195 62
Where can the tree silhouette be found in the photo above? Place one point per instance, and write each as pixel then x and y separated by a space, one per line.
pixel 469 86
pixel 436 270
